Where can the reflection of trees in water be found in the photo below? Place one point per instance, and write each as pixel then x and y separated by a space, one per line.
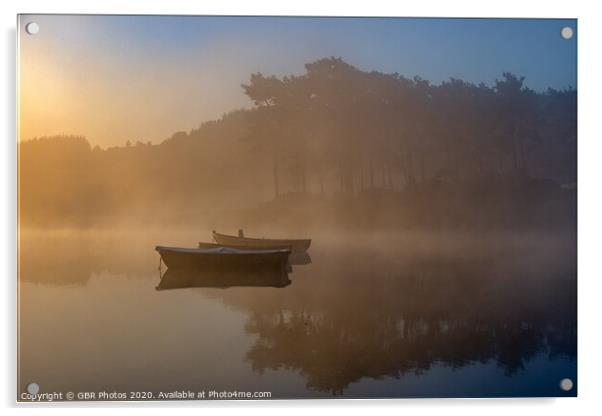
pixel 357 313
pixel 382 319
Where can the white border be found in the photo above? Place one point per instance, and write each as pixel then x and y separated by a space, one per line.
pixel 590 206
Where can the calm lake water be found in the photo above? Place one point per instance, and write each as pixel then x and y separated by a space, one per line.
pixel 370 316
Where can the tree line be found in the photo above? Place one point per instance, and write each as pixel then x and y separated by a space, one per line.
pixel 333 130
pixel 383 130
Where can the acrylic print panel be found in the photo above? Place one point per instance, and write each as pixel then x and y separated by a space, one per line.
pixel 296 207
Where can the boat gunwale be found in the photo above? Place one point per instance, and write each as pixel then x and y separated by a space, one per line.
pixel 241 247
pixel 229 251
pixel 283 240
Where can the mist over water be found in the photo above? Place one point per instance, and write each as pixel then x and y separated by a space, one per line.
pixel 371 316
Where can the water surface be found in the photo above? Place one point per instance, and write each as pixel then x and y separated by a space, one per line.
pixel 370 316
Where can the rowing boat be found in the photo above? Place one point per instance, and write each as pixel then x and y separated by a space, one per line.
pixel 224 258
pixel 296 245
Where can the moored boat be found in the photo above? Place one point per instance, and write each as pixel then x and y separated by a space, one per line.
pixel 296 245
pixel 224 258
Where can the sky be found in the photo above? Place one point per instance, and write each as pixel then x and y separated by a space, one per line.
pixel 119 78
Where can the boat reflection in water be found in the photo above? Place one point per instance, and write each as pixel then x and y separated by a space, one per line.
pixel 175 278
pixel 299 259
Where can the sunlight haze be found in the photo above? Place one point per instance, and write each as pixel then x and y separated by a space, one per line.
pixel 115 79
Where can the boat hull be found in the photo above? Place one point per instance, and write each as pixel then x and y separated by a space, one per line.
pixel 297 246
pixel 228 260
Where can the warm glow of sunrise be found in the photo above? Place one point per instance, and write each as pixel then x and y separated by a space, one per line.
pixel 119 78
pixel 76 82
